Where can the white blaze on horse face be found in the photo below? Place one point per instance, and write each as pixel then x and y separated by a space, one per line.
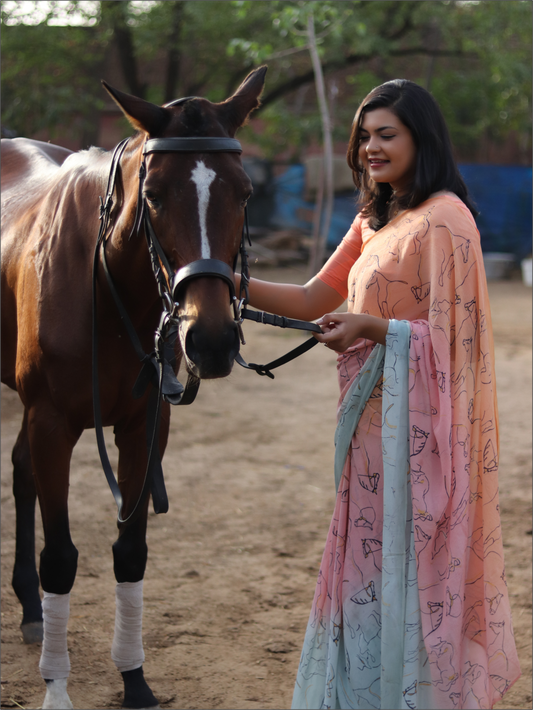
pixel 203 176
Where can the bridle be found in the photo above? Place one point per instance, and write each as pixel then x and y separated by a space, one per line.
pixel 199 267
pixel 158 367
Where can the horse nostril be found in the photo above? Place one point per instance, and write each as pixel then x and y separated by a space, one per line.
pixel 212 353
pixel 200 341
pixel 191 349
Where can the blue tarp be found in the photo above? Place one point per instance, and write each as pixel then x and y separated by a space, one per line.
pixel 502 195
pixel 292 210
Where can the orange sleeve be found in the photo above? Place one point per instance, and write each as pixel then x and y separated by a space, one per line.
pixel 335 271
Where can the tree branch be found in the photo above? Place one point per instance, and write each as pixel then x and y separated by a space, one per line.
pixel 332 66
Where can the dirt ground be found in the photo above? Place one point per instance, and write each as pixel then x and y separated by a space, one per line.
pixel 232 565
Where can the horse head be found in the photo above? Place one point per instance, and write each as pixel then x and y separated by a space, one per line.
pixel 194 194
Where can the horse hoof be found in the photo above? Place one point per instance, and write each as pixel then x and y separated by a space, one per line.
pixel 56 695
pixel 32 632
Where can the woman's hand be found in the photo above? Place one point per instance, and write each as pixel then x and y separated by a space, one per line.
pixel 340 330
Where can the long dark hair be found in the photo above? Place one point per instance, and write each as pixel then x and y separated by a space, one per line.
pixel 435 163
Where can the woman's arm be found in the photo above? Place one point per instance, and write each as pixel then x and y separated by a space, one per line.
pixel 306 302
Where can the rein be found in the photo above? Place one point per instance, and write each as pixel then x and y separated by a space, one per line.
pixel 280 322
pixel 157 367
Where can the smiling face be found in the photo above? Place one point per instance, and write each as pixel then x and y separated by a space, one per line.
pixel 386 149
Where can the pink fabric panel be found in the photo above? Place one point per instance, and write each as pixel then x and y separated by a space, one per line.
pixel 426 267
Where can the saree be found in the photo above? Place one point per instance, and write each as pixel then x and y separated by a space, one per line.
pixel 411 608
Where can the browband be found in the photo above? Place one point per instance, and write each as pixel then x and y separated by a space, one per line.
pixel 192 145
pixel 177 102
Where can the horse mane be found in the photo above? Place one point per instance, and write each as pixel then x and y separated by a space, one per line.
pixel 84 158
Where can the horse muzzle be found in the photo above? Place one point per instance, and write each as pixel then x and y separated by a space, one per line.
pixel 209 336
pixel 210 355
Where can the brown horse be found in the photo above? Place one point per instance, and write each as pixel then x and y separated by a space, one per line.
pixel 192 196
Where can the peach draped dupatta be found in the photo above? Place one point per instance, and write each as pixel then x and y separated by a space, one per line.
pixel 411 608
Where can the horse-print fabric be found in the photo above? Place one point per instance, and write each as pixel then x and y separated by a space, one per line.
pixel 424 267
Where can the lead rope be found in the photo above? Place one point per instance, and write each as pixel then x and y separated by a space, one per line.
pixel 242 313
pixel 280 322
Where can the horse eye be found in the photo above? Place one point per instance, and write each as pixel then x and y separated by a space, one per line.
pixel 152 199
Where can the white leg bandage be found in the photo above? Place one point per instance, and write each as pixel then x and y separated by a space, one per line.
pixel 55 663
pixel 127 649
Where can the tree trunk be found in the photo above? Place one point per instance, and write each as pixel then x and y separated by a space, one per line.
pixel 116 15
pixel 172 79
pixel 317 221
pixel 318 248
pixel 433 41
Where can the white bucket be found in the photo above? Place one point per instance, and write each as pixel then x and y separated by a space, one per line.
pixel 526 271
pixel 497 265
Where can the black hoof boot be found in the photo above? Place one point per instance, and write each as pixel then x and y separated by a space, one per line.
pixel 32 632
pixel 137 693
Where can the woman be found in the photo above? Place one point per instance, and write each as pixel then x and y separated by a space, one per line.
pixel 411 607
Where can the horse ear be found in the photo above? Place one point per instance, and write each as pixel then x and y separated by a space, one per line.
pixel 238 107
pixel 142 115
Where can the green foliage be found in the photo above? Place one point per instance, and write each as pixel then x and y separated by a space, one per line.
pixel 480 71
pixel 474 56
pixel 50 77
pixel 282 134
pixel 489 94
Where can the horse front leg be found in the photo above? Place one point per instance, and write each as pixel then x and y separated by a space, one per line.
pixel 51 446
pixel 25 580
pixel 130 554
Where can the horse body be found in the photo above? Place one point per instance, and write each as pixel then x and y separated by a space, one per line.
pixel 49 232
pixel 46 283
